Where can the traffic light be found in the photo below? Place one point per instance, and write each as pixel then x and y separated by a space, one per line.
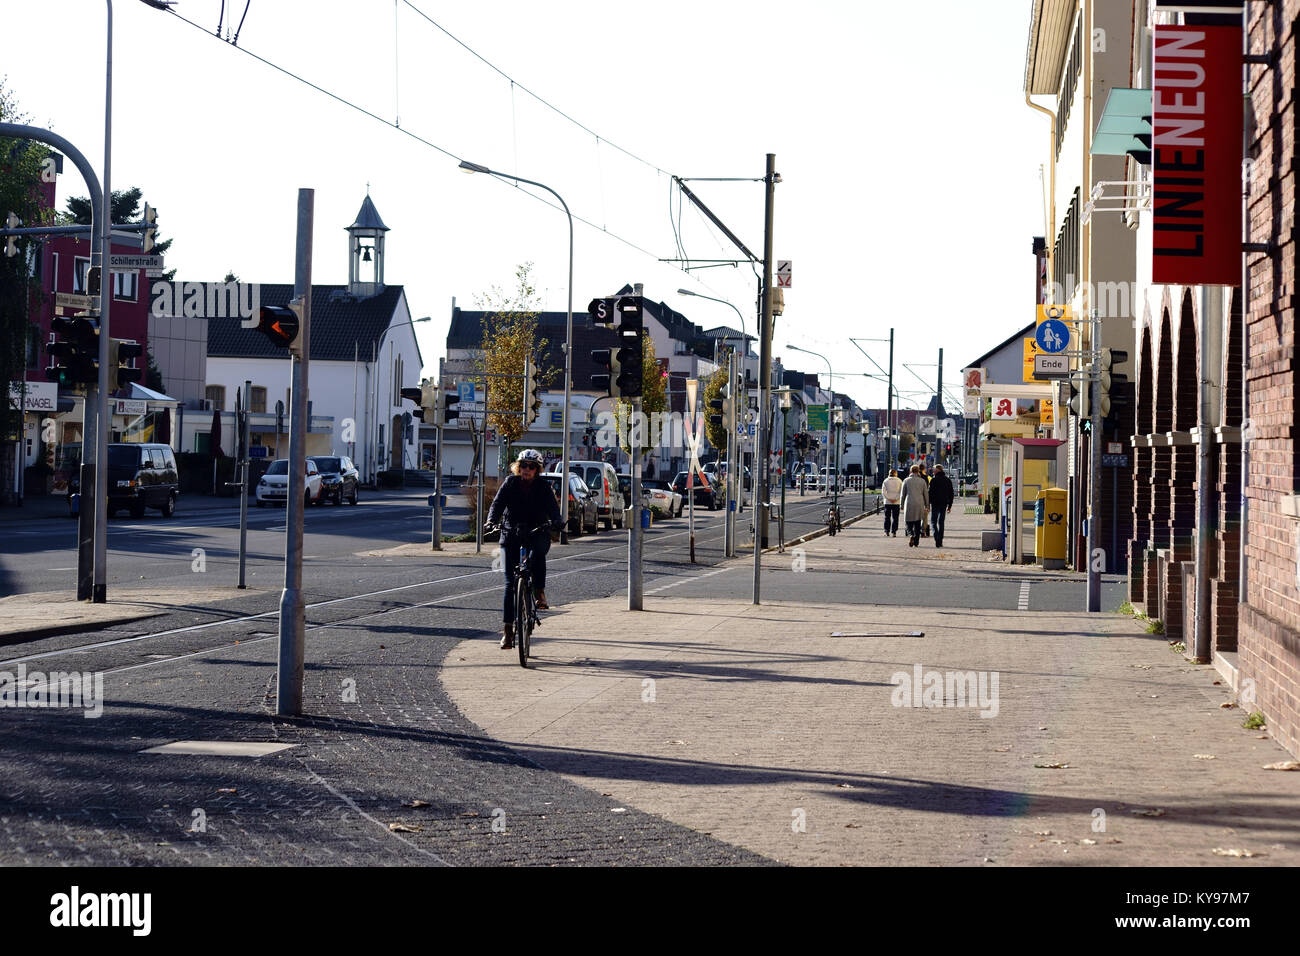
pixel 605 381
pixel 1079 397
pixel 601 311
pixel 76 358
pixel 415 395
pixel 532 395
pixel 150 235
pixel 1111 379
pixel 281 324
pixel 120 356
pixel 629 357
pixel 449 410
pixel 725 410
pixel 11 242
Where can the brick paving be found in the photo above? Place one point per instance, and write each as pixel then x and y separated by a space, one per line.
pixel 745 722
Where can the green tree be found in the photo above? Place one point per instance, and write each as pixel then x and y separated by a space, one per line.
pixel 21 167
pixel 509 338
pixel 125 207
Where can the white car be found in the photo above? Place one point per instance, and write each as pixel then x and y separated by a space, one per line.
pixel 273 487
pixel 661 497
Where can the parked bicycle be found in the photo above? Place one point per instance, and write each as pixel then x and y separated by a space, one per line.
pixel 832 519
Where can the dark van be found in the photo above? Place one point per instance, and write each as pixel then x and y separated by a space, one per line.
pixel 142 476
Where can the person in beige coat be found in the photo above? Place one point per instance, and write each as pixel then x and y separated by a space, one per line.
pixel 916 503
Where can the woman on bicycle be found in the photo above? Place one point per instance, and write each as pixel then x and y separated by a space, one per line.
pixel 522 503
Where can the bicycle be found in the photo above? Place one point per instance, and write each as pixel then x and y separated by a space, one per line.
pixel 526 617
pixel 832 519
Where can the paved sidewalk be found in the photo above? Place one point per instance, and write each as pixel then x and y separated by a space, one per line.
pixel 1104 747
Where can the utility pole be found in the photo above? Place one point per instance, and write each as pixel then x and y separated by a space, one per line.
pixel 245 484
pixel 938 398
pixel 1094 472
pixel 293 636
pixel 889 414
pixel 635 538
pixel 99 593
pixel 729 479
pixel 764 381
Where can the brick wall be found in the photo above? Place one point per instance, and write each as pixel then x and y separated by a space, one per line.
pixel 1269 621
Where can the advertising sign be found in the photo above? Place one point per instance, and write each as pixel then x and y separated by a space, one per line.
pixel 1196 155
pixel 40 397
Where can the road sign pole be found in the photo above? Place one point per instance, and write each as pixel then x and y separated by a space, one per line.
pixel 1094 473
pixel 99 593
pixel 635 537
pixel 292 623
pixel 437 487
pixel 245 486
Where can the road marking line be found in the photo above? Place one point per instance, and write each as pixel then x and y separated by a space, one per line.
pixel 696 577
pixel 1024 597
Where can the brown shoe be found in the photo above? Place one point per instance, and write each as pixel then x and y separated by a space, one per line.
pixel 541 601
pixel 507 637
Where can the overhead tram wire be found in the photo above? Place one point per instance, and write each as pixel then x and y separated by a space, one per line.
pixel 415 136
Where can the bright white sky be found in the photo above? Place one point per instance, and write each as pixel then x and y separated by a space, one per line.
pixel 910 163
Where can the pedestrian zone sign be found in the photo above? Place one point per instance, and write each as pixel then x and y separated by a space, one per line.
pixel 1052 336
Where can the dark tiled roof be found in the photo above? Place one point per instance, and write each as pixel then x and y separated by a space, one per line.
pixel 339 322
pixel 727 332
pixel 368 217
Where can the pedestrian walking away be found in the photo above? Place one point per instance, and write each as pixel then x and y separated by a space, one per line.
pixel 524 502
pixel 916 499
pixel 892 490
pixel 941 499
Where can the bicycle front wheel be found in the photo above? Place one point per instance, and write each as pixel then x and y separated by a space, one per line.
pixel 523 620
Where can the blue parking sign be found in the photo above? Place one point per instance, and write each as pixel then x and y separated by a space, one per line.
pixel 466 391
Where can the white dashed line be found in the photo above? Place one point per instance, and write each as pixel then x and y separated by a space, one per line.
pixel 1024 597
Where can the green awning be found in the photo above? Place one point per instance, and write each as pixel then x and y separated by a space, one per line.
pixel 1125 126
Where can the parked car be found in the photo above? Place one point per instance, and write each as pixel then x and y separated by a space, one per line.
pixel 602 479
pixel 339 478
pixel 706 492
pixel 663 497
pixel 583 512
pixel 273 486
pixel 140 476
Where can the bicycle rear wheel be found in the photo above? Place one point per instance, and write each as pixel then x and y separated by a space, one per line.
pixel 523 619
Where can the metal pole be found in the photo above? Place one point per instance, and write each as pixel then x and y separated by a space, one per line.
pixel 243 498
pixel 864 472
pixel 437 488
pixel 635 538
pixel 99 592
pixel 292 623
pixel 482 476
pixel 729 478
pixel 785 468
pixel 1211 352
pixel 889 447
pixel 763 445
pixel 1094 474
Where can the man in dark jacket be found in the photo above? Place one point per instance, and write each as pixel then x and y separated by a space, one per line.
pixel 941 499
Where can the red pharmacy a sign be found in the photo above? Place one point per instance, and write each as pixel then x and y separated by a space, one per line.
pixel 1196 155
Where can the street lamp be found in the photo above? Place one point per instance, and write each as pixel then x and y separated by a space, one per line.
pixel 469 167
pixel 743 333
pixel 831 383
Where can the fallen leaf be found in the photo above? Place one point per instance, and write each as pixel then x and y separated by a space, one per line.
pixel 403 828
pixel 1283 765
pixel 1220 851
pixel 1052 766
pixel 1227 705
pixel 853 826
pixel 1157 812
pixel 1113 840
pixel 1042 728
pixel 1204 756
pixel 416 803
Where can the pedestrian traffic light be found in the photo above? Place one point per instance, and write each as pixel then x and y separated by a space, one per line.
pixel 120 356
pixel 281 324
pixel 11 242
pixel 629 357
pixel 76 358
pixel 150 235
pixel 605 381
pixel 415 395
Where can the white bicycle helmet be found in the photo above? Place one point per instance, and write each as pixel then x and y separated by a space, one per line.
pixel 531 455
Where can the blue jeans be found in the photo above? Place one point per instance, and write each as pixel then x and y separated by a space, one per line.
pixel 540 544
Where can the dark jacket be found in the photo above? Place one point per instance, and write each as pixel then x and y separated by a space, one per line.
pixel 518 507
pixel 941 495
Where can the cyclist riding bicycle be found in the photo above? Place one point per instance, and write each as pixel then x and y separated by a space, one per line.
pixel 522 503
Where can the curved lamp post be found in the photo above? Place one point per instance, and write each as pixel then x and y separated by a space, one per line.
pixel 469 167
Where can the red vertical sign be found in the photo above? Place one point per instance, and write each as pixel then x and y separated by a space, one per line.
pixel 1196 155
